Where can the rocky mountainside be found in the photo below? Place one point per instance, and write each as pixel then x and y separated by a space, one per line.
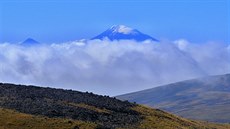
pixel 37 107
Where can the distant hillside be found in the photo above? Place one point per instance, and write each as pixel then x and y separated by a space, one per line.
pixel 203 99
pixel 36 107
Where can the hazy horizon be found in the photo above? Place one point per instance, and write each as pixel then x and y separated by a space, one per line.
pixel 111 67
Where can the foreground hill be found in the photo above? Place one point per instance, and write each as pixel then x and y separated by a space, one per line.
pixel 203 99
pixel 36 107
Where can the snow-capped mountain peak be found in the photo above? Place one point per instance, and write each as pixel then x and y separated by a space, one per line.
pixel 122 32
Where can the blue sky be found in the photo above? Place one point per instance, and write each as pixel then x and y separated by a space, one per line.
pixel 59 21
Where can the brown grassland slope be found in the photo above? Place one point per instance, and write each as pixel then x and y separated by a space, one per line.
pixel 157 119
pixel 30 107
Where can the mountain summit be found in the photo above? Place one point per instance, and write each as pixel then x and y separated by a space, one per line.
pixel 121 32
pixel 30 41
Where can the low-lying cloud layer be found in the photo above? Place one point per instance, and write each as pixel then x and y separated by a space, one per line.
pixel 111 67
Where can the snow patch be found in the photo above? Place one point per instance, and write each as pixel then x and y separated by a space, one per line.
pixel 122 29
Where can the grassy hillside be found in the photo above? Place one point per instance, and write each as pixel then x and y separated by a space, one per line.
pixel 158 119
pixel 203 99
pixel 10 119
pixel 27 107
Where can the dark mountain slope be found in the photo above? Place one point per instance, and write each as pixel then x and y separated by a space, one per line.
pixel 204 99
pixel 68 104
pixel 37 107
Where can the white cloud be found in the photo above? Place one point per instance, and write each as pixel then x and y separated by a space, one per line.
pixel 181 44
pixel 111 67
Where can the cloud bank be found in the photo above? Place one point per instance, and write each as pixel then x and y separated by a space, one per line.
pixel 111 67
